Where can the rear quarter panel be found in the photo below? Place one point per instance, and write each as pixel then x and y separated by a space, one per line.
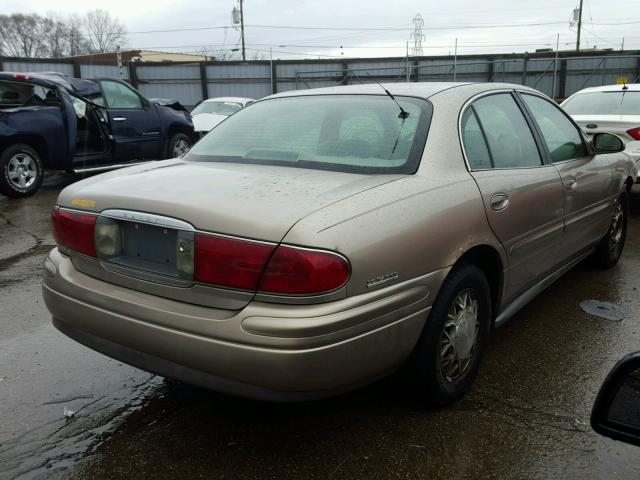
pixel 414 225
pixel 44 125
pixel 409 227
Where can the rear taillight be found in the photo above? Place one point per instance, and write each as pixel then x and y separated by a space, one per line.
pixel 74 230
pixel 215 259
pixel 634 133
pixel 249 265
pixel 297 271
pixel 229 262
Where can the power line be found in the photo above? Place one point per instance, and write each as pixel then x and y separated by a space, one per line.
pixel 399 46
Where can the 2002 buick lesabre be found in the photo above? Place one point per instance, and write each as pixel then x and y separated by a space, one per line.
pixel 320 239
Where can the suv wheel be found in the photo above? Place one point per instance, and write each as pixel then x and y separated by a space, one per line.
pixel 445 361
pixel 610 248
pixel 179 144
pixel 21 171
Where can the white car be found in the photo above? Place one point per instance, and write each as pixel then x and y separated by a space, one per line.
pixel 211 112
pixel 612 109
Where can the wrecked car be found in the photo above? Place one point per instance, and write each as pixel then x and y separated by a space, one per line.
pixel 318 240
pixel 52 121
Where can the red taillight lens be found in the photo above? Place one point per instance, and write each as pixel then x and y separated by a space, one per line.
pixel 634 133
pixel 294 270
pixel 248 265
pixel 230 262
pixel 74 230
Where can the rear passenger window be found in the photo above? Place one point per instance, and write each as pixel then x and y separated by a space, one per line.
pixel 510 140
pixel 561 136
pixel 474 145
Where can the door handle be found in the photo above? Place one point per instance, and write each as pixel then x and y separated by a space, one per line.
pixel 571 183
pixel 119 119
pixel 499 201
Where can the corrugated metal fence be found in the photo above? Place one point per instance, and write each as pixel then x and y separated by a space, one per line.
pixel 191 82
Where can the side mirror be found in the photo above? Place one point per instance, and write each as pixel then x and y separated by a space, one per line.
pixel 607 143
pixel 616 411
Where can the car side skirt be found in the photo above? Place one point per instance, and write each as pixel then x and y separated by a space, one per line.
pixel 519 302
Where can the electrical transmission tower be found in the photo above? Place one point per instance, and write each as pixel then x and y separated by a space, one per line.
pixel 417 36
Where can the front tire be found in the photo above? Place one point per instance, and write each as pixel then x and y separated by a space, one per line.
pixel 21 171
pixel 610 248
pixel 445 361
pixel 179 144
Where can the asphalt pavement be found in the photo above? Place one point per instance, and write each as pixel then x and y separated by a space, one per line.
pixel 68 412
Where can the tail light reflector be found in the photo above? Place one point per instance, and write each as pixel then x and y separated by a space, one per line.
pixel 74 230
pixel 294 270
pixel 229 262
pixel 634 133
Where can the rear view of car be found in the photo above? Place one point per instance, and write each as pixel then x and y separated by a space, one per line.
pixel 612 108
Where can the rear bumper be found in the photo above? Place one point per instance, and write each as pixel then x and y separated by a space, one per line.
pixel 308 351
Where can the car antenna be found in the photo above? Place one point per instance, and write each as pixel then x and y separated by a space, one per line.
pixel 403 113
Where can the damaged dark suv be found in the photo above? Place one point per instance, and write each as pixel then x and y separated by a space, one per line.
pixel 52 121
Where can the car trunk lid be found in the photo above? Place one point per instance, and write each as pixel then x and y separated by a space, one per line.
pixel 616 124
pixel 243 201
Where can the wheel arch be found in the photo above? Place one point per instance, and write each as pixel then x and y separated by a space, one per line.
pixel 488 259
pixel 33 141
pixel 628 183
pixel 176 127
pixel 173 129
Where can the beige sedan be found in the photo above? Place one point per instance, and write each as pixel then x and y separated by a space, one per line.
pixel 321 239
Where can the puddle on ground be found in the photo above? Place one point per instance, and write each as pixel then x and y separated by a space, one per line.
pixel 605 310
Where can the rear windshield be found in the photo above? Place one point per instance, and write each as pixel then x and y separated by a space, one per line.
pixel 604 103
pixel 14 93
pixel 348 133
pixel 219 108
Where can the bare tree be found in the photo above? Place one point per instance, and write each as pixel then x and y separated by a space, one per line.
pixel 32 35
pixel 104 33
pixel 57 35
pixel 23 35
pixel 78 43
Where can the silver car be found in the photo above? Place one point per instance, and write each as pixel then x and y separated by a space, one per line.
pixel 318 240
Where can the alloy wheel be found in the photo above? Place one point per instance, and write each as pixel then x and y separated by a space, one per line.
pixel 22 170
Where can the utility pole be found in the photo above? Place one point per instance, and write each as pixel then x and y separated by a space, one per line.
pixel 555 68
pixel 408 70
pixel 579 25
pixel 455 60
pixel 244 56
pixel 119 61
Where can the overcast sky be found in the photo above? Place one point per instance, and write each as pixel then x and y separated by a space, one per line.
pixel 606 23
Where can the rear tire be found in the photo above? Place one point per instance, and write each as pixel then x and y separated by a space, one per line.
pixel 179 144
pixel 610 248
pixel 445 361
pixel 21 171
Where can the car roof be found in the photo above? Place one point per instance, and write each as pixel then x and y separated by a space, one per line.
pixel 410 89
pixel 630 87
pixel 81 86
pixel 229 99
